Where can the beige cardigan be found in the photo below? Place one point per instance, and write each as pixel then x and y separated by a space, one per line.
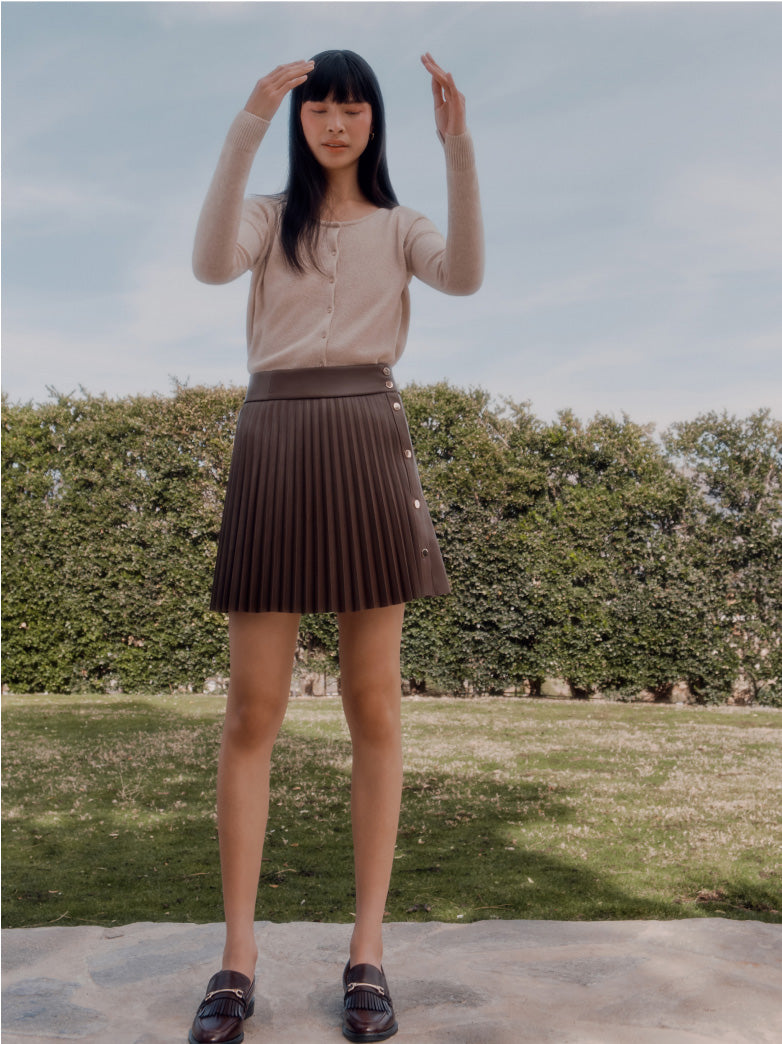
pixel 356 309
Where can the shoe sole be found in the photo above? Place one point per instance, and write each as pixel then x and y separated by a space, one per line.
pixel 358 1038
pixel 233 1040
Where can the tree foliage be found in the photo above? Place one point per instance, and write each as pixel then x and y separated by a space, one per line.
pixel 589 551
pixel 737 467
pixel 111 514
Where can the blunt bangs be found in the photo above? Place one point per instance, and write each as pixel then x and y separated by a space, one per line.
pixel 343 75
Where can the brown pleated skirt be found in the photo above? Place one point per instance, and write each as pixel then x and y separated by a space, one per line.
pixel 324 509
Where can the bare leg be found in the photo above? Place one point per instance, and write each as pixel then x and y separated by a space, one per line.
pixel 371 696
pixel 262 649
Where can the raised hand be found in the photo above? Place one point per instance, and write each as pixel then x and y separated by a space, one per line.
pixel 449 108
pixel 268 93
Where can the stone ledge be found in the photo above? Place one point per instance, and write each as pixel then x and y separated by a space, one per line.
pixel 490 982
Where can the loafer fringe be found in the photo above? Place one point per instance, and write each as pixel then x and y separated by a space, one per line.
pixel 368 1000
pixel 230 1006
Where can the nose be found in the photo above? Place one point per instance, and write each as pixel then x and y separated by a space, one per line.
pixel 335 121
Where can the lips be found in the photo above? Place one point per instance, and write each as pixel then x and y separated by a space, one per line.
pixel 334 145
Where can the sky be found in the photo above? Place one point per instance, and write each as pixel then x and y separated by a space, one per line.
pixel 629 157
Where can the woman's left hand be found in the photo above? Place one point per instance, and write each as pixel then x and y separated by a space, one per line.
pixel 449 109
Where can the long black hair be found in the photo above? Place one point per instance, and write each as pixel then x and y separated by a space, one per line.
pixel 346 77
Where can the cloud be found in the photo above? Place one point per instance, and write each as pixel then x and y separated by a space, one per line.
pixel 731 210
pixel 630 187
pixel 185 336
pixel 157 322
pixel 56 200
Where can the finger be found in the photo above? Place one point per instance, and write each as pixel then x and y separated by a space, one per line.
pixel 280 90
pixel 294 70
pixel 431 66
pixel 444 82
pixel 447 84
pixel 289 86
pixel 437 90
pixel 292 66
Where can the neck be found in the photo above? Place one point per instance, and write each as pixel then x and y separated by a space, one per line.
pixel 344 200
pixel 342 187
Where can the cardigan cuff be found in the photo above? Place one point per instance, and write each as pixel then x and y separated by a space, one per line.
pixel 459 151
pixel 247 131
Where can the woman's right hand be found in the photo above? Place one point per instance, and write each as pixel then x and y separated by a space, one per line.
pixel 268 93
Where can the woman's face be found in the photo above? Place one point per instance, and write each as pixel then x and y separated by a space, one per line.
pixel 336 133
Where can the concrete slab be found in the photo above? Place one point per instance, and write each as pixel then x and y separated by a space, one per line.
pixel 491 982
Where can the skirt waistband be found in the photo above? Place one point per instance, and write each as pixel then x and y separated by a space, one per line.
pixel 320 382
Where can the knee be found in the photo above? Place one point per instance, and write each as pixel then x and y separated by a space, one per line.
pixel 253 716
pixel 373 713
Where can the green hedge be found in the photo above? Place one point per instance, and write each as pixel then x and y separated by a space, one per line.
pixel 589 551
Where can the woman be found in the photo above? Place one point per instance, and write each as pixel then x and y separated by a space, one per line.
pixel 324 509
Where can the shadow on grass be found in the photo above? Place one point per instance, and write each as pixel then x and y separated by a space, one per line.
pixel 111 820
pixel 738 898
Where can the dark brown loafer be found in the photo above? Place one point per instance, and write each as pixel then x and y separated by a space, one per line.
pixel 228 1002
pixel 368 1013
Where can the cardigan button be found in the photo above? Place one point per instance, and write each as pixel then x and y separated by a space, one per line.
pixel 389 384
pixel 417 503
pixel 397 405
pixel 408 454
pixel 386 372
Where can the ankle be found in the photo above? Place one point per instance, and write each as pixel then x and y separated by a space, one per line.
pixel 241 957
pixel 368 951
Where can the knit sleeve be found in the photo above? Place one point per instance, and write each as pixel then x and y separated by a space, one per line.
pixel 455 264
pixel 232 232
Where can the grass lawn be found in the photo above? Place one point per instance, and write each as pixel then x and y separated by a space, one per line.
pixel 511 809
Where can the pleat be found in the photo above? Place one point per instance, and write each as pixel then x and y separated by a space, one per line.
pixel 320 510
